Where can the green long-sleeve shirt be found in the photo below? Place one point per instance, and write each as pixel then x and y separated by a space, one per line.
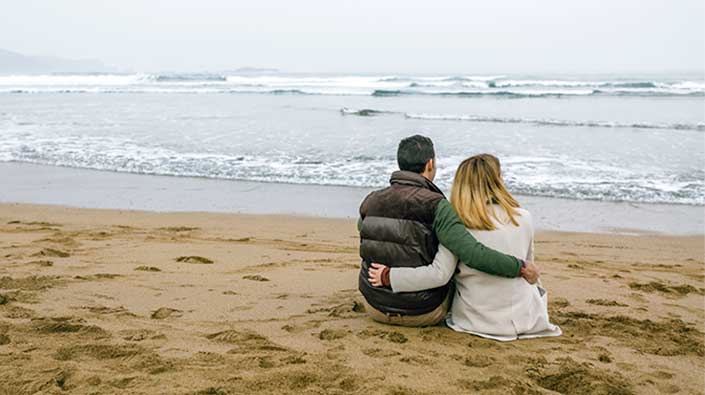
pixel 451 232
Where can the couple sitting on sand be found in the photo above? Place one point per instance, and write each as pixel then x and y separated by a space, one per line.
pixel 413 241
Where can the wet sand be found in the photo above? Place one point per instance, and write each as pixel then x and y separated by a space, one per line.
pixel 110 301
pixel 41 184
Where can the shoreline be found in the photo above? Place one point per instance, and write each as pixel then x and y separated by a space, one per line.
pixel 113 300
pixel 85 188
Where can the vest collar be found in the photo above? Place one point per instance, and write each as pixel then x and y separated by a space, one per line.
pixel 403 177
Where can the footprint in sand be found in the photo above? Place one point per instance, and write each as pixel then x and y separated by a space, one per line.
pixel 60 325
pixel 105 310
pixel 293 360
pixel 52 252
pixel 380 353
pixel 416 360
pixel 165 312
pixel 207 358
pixel 194 259
pixel 477 361
pixel 98 351
pixel 255 277
pixel 31 283
pixel 138 335
pixel 59 238
pixel 670 337
pixel 392 336
pixel 41 262
pixel 560 302
pixel 148 269
pixel 571 377
pixel 98 276
pixel 178 229
pixel 605 302
pixel 33 223
pixel 245 342
pixel 332 334
pixel 343 310
pixel 656 286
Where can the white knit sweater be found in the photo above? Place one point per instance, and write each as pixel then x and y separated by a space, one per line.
pixel 485 305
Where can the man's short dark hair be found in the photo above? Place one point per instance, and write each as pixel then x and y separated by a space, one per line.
pixel 414 152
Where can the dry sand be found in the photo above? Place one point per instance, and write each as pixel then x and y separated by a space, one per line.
pixel 107 301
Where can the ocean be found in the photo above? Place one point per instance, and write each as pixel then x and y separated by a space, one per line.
pixel 606 138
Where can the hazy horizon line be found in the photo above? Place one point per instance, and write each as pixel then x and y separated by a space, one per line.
pixel 117 69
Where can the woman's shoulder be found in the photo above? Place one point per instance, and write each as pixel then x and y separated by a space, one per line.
pixel 525 219
pixel 523 216
pixel 521 211
pixel 524 212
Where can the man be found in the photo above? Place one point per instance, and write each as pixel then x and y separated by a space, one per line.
pixel 402 225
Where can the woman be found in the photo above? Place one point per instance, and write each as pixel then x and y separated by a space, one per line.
pixel 489 306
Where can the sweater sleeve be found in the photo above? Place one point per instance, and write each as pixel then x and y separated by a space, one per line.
pixel 452 234
pixel 438 273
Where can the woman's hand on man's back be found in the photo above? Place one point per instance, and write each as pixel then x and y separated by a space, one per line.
pixel 377 274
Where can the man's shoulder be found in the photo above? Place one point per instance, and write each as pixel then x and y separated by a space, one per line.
pixel 372 195
pixel 403 202
pixel 403 192
pixel 378 191
pixel 364 205
pixel 432 195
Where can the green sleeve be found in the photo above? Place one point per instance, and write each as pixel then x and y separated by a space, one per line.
pixel 359 224
pixel 452 234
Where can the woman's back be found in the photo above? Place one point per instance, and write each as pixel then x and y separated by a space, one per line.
pixel 507 237
pixel 497 307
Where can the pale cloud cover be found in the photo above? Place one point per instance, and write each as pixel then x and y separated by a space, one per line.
pixel 366 35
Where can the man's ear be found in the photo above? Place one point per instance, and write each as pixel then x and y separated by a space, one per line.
pixel 430 165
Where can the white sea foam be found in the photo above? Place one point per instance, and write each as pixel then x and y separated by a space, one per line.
pixel 545 83
pixel 343 85
pixel 690 85
pixel 558 122
pixel 558 176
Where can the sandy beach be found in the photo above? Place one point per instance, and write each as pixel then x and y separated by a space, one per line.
pixel 110 301
pixel 181 185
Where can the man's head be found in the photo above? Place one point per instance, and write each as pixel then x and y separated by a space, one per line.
pixel 416 154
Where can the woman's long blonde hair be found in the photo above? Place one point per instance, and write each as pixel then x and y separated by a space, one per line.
pixel 477 184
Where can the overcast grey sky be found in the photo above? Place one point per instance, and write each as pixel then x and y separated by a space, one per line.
pixel 365 35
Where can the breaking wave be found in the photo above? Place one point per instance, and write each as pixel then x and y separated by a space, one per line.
pixel 558 122
pixel 699 127
pixel 564 177
pixel 378 86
